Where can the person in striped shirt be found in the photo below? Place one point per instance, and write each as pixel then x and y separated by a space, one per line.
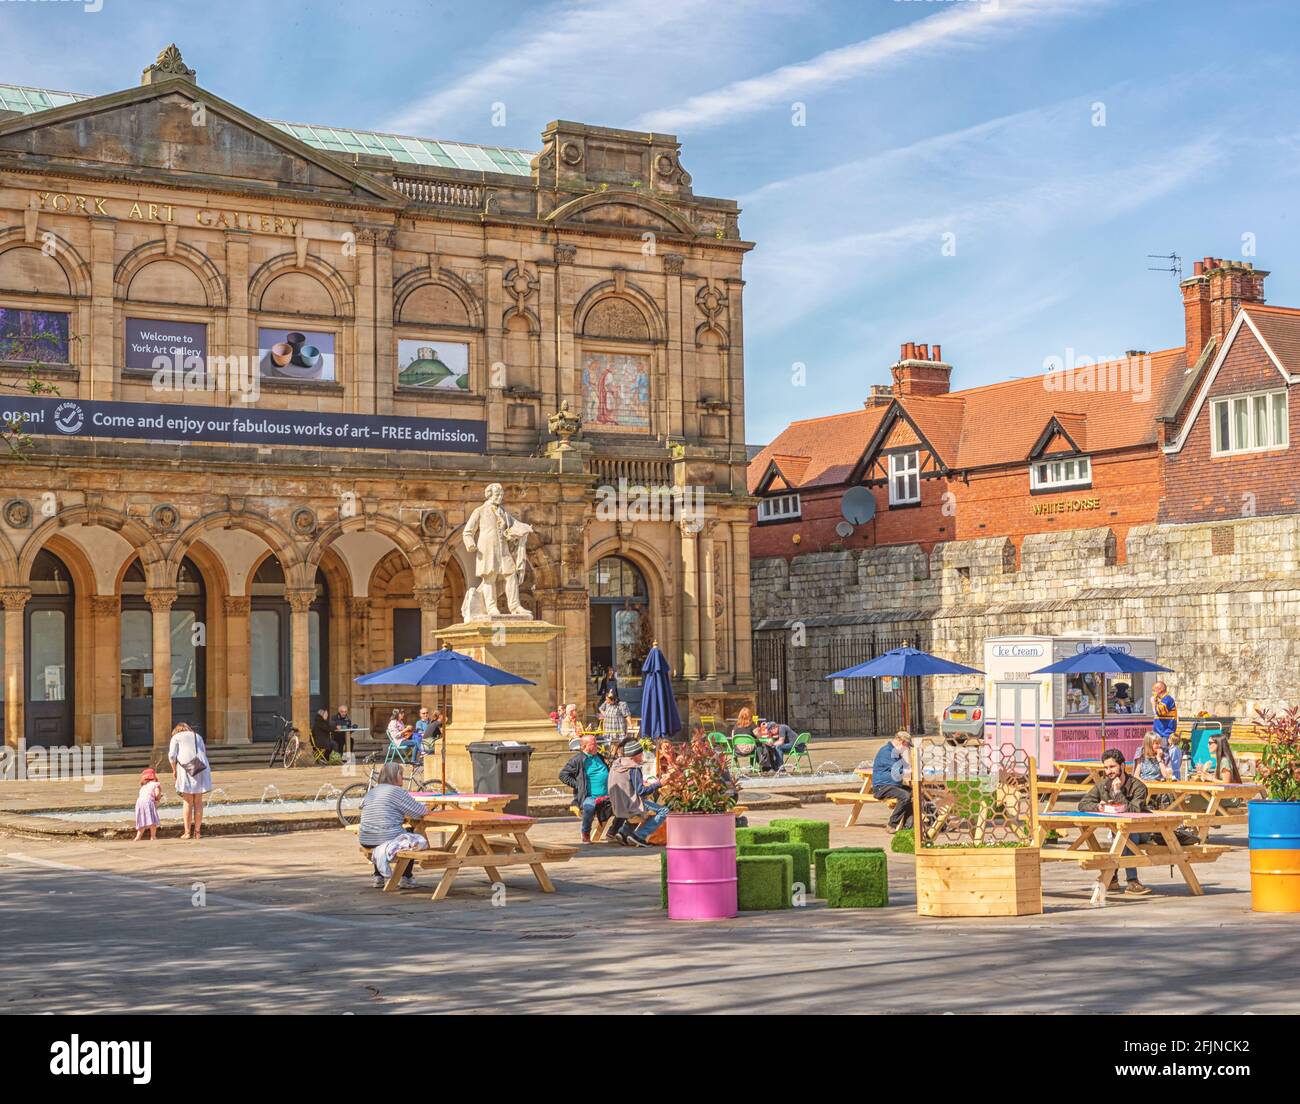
pixel 384 813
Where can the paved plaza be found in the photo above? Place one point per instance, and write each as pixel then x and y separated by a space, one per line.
pixel 101 926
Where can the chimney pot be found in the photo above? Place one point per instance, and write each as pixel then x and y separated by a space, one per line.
pixel 935 354
pixel 1198 267
pixel 902 351
pixel 923 352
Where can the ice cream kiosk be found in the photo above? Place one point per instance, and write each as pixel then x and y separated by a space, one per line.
pixel 1058 717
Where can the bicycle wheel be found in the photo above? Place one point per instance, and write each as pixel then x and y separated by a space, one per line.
pixel 275 752
pixel 348 805
pixel 292 746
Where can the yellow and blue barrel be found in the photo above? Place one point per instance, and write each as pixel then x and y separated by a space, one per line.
pixel 1274 831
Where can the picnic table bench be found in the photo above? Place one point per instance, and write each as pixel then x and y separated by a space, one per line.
pixel 1216 814
pixel 1091 854
pixel 858 798
pixel 480 839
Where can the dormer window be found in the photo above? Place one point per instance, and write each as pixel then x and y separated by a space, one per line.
pixel 779 508
pixel 1056 475
pixel 1249 423
pixel 904 478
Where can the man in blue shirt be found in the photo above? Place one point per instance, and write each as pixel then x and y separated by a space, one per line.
pixel 1165 710
pixel 889 772
pixel 587 773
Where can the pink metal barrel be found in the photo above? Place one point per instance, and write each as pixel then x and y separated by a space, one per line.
pixel 701 866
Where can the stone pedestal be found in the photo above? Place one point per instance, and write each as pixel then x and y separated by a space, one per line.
pixel 520 713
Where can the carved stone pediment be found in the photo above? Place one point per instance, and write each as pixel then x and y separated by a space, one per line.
pixel 180 132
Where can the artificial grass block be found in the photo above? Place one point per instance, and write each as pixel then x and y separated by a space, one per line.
pixel 663 879
pixel 815 833
pixel 764 882
pixel 762 835
pixel 819 863
pixel 798 852
pixel 904 842
pixel 856 880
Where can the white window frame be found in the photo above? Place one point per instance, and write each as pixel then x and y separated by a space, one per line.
pixel 780 507
pixel 905 466
pixel 1252 444
pixel 1051 474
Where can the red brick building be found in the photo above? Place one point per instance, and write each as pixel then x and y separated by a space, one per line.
pixel 1120 443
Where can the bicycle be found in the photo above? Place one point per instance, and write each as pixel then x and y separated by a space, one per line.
pixel 287 745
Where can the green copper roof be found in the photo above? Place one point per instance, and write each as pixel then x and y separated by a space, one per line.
pixel 344 140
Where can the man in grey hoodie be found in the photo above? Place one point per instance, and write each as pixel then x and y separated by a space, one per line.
pixel 627 794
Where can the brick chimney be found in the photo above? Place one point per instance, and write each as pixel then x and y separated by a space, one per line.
pixel 920 371
pixel 1212 295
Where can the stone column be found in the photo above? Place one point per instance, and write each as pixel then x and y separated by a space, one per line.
pixel 429 598
pixel 736 368
pixel 300 600
pixel 690 607
pixel 238 701
pixel 160 600
pixel 708 626
pixel 742 629
pixel 15 600
pixel 493 349
pixel 239 342
pixel 103 347
pixel 678 324
pixel 105 670
pixel 384 345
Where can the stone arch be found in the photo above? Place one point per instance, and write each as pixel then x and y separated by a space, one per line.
pixel 660 217
pixel 709 332
pixel 629 293
pixel 337 288
pixel 187 256
pixel 275 536
pixel 647 559
pixel 420 278
pixel 74 267
pixel 133 531
pixel 513 314
pixel 406 539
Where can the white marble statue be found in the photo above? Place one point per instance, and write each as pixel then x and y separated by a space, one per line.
pixel 498 540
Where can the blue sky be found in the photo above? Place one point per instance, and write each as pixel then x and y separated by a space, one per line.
pixel 925 123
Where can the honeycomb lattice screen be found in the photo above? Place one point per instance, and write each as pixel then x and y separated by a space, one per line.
pixel 974 795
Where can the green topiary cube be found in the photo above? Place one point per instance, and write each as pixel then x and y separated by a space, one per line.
pixel 904 842
pixel 798 853
pixel 663 879
pixel 764 882
pixel 819 863
pixel 762 835
pixel 856 880
pixel 815 833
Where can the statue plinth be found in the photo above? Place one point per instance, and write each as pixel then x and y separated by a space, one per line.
pixel 522 713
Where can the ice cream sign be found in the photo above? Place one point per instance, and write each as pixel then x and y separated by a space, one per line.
pixel 1017 651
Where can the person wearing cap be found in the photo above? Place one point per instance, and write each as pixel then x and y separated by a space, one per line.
pixel 146 804
pixel 889 772
pixel 628 791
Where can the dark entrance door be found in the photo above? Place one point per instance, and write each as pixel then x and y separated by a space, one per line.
pixel 47 649
pixel 189 649
pixel 318 645
pixel 618 626
pixel 268 660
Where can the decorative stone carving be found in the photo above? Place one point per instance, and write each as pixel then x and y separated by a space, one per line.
pixel 164 517
pixel 498 541
pixel 616 318
pixel 429 598
pixel 565 253
pixel 571 153
pixel 669 169
pixel 300 598
pixel 15 598
pixel 432 522
pixel 303 521
pixel 18 513
pixel 160 599
pixel 105 605
pixel 673 263
pixel 168 64
pixel 565 425
pixel 519 283
pixel 711 301
pixel 236 605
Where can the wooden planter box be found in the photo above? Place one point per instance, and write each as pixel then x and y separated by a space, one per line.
pixel 978 881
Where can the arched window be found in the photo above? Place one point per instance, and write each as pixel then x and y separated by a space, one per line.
pixel 619 628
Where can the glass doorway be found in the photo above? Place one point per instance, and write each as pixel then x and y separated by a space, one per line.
pixel 619 628
pixel 47 646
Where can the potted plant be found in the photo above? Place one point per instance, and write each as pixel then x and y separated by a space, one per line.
pixel 701 851
pixel 1273 821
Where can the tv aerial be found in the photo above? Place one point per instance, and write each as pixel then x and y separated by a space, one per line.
pixel 1175 264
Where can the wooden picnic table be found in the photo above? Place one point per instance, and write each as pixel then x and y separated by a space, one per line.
pixel 863 796
pixel 486 840
pixel 1091 854
pixel 488 803
pixel 1216 814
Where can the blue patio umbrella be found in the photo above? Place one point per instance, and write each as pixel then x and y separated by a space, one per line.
pixel 1103 660
pixel 659 716
pixel 905 662
pixel 445 667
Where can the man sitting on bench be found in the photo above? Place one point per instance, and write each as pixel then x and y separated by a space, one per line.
pixel 627 793
pixel 587 774
pixel 889 772
pixel 383 813
pixel 1119 792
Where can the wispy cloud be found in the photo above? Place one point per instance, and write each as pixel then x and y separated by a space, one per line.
pixel 960 25
pixel 614 48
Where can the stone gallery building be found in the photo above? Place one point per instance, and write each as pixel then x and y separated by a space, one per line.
pixel 288 359
pixel 1153 494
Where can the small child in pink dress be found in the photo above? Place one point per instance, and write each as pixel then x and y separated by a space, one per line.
pixel 146 805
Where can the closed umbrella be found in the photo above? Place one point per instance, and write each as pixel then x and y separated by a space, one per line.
pixel 444 667
pixel 1103 660
pixel 903 663
pixel 660 719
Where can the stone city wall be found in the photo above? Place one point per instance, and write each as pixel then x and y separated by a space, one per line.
pixel 1222 600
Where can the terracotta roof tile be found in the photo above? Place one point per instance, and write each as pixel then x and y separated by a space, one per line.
pixel 1280 327
pixel 832 445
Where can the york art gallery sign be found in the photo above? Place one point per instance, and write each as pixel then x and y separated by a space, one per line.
pixel 166 422
pixel 136 211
